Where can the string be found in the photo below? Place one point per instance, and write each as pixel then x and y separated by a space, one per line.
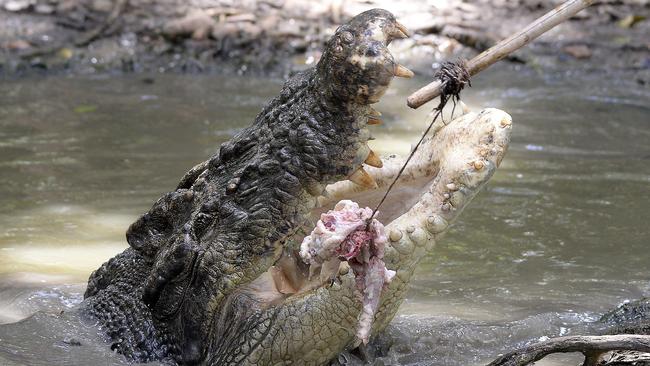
pixel 454 76
pixel 399 174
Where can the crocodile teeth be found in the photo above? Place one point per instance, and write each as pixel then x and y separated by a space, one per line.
pixel 400 31
pixel 402 71
pixel 362 178
pixel 373 117
pixel 282 283
pixel 464 107
pixel 374 160
pixel 403 29
pixel 374 121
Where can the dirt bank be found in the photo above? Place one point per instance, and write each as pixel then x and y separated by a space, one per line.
pixel 278 36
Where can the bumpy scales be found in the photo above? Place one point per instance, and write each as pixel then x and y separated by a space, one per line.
pixel 229 218
pixel 213 274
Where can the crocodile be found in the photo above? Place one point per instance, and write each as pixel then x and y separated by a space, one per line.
pixel 212 273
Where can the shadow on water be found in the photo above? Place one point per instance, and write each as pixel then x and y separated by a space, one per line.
pixel 559 236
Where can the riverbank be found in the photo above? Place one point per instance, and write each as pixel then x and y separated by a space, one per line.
pixel 276 37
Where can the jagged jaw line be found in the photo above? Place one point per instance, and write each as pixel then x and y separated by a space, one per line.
pixel 451 167
pixel 291 277
pixel 428 195
pixel 369 67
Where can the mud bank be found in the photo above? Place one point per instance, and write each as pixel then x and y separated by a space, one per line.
pixel 276 37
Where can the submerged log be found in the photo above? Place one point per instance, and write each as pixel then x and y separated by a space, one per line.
pixel 592 347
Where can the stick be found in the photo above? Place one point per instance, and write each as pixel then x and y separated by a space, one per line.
pixel 590 346
pixel 91 35
pixel 505 47
pixel 401 170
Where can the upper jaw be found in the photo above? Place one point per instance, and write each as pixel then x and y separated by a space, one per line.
pixel 356 66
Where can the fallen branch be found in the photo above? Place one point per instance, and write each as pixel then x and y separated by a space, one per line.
pixel 85 38
pixel 505 47
pixel 91 35
pixel 592 347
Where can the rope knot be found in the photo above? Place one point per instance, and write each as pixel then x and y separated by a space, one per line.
pixel 454 75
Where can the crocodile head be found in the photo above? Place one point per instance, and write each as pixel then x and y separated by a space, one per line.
pixel 213 275
pixel 356 63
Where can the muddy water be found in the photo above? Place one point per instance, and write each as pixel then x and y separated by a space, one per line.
pixel 559 236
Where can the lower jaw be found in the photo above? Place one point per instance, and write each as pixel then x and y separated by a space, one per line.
pixel 290 276
pixel 321 315
pixel 441 178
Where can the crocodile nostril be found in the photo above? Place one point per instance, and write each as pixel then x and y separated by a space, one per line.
pixel 372 52
pixel 346 37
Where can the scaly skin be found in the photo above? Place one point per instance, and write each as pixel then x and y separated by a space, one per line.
pixel 315 326
pixel 194 284
pixel 629 318
pixel 229 218
pixel 312 328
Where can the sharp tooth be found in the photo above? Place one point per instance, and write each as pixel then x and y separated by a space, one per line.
pixel 402 71
pixel 374 160
pixel 374 121
pixel 403 29
pixel 373 117
pixel 362 178
pixel 281 282
pixel 399 32
pixel 464 107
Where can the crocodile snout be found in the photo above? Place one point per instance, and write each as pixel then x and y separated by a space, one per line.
pixel 356 64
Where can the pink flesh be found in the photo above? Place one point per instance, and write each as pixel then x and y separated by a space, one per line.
pixel 341 234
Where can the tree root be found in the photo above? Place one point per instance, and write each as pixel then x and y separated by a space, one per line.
pixel 91 35
pixel 592 347
pixel 85 38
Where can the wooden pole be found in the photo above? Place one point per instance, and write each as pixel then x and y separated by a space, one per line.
pixel 505 47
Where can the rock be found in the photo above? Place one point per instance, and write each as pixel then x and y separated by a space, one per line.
pixel 197 24
pixel 65 53
pixel 245 17
pixel 578 51
pixel 18 45
pixel 71 341
pixel 66 6
pixel 269 22
pixel 44 9
pixel 251 30
pixel 223 30
pixel 17 5
pixel 102 6
pixel 629 318
pixel 630 20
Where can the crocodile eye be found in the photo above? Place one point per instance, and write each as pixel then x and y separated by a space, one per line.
pixel 346 37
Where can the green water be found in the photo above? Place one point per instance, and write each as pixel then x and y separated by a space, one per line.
pixel 559 236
